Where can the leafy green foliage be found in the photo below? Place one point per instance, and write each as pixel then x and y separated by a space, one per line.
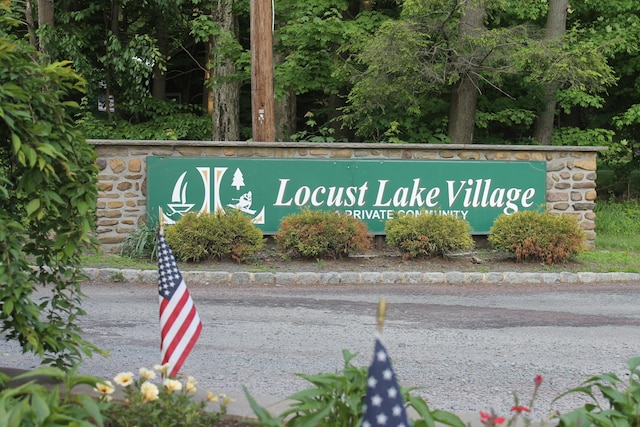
pixel 146 404
pixel 214 236
pixel 34 404
pixel 177 126
pixel 538 236
pixel 428 234
pixel 336 399
pixel 322 234
pixel 314 133
pixel 622 398
pixel 141 243
pixel 48 192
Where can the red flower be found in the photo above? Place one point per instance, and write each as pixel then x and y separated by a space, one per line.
pixel 490 419
pixel 538 380
pixel 520 409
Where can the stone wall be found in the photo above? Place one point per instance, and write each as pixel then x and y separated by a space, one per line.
pixel 571 172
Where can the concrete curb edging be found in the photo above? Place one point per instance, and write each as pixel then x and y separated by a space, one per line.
pixel 363 278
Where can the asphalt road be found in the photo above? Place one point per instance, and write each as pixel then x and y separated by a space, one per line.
pixel 470 347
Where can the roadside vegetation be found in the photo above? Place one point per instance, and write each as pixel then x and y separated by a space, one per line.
pixel 617 244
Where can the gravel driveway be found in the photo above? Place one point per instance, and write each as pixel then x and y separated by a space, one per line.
pixel 469 346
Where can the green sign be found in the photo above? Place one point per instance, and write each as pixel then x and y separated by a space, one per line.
pixel 371 190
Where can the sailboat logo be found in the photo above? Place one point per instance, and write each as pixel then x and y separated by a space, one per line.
pixel 179 203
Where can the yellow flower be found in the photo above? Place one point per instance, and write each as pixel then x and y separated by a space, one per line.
pixel 211 397
pixel 146 374
pixel 149 391
pixel 190 385
pixel 226 399
pixel 172 385
pixel 163 369
pixel 105 388
pixel 124 379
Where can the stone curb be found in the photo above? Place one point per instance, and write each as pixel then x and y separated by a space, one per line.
pixel 362 278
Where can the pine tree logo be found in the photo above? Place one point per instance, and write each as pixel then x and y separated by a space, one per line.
pixel 238 179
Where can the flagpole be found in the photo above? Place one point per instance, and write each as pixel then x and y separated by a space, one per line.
pixel 382 311
pixel 161 220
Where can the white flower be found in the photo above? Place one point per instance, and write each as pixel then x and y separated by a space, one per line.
pixel 105 388
pixel 146 374
pixel 163 369
pixel 190 385
pixel 172 385
pixel 124 379
pixel 226 399
pixel 149 391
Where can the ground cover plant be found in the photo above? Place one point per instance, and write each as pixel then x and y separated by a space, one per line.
pixel 150 398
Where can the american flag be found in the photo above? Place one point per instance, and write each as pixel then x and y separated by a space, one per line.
pixel 383 404
pixel 179 321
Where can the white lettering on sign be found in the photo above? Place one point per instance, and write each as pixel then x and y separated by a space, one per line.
pixel 401 196
pixel 388 214
pixel 321 195
pixel 471 193
pixel 479 193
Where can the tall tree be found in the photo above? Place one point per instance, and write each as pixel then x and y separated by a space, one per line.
pixel 464 94
pixel 45 22
pixel 216 24
pixel 225 82
pixel 554 30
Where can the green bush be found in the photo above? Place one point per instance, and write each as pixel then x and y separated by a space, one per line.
pixel 214 236
pixel 621 397
pixel 538 236
pixel 428 234
pixel 322 234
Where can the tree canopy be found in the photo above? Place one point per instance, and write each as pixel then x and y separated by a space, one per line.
pixel 413 71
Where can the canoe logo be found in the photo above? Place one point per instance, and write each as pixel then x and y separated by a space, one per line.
pixel 209 193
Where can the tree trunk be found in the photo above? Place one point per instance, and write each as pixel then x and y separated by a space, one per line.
pixel 226 94
pixel 159 87
pixel 31 25
pixel 464 95
pixel 45 19
pixel 285 112
pixel 556 27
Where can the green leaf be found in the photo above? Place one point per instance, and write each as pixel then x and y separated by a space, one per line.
pixel 32 206
pixel 40 407
pixel 15 142
pixel 7 307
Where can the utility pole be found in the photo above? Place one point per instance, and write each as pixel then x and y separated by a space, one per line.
pixel 262 95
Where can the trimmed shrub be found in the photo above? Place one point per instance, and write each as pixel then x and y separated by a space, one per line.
pixel 214 236
pixel 538 236
pixel 428 234
pixel 322 234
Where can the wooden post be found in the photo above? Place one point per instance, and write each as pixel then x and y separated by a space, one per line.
pixel 262 95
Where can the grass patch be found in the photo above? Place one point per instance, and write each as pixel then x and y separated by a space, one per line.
pixel 116 261
pixel 604 261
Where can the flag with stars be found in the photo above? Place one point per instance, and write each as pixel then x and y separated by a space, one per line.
pixel 180 324
pixel 383 404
